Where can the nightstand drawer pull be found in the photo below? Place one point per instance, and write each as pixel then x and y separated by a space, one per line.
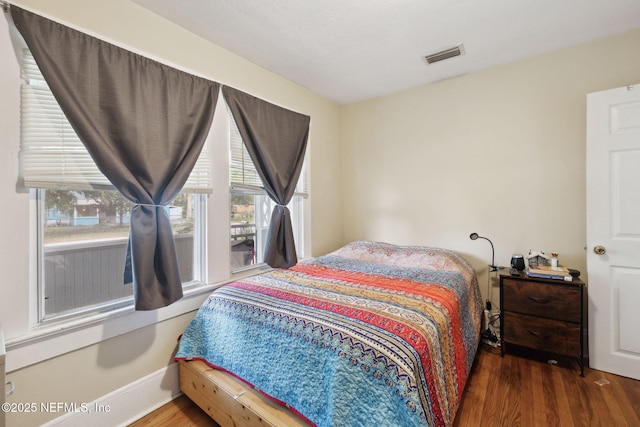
pixel 539 300
pixel 539 335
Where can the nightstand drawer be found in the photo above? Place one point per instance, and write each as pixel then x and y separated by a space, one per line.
pixel 543 334
pixel 542 299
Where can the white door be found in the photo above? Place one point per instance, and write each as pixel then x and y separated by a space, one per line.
pixel 613 230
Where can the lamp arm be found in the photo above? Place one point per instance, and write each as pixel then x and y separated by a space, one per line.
pixel 493 254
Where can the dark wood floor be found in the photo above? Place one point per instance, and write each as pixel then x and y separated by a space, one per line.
pixel 522 391
pixel 509 391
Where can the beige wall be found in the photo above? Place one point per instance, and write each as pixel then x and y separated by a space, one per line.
pixel 90 373
pixel 500 152
pixel 86 374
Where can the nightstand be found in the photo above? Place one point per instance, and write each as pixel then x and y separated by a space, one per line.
pixel 543 314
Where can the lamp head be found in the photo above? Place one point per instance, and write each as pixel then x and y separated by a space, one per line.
pixel 474 236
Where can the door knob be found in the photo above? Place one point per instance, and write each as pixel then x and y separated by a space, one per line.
pixel 599 250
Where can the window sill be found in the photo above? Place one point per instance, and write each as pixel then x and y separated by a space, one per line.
pixel 52 340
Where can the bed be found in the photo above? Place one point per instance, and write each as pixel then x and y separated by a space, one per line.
pixel 370 334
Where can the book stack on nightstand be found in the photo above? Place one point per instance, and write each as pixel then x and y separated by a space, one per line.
pixel 549 272
pixel 543 314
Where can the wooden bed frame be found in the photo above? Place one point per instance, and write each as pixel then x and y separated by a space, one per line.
pixel 229 401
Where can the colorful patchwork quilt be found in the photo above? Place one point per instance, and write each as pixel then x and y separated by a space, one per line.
pixel 369 335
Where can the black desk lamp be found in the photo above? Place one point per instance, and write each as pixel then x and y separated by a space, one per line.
pixel 492 267
pixel 474 236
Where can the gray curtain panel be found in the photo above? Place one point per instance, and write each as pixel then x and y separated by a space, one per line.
pixel 276 139
pixel 144 124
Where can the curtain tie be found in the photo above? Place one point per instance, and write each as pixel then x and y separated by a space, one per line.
pixel 152 205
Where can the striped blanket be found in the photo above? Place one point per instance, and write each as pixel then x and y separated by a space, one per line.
pixel 369 335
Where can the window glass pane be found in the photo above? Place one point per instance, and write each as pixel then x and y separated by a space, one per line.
pixel 250 219
pixel 182 213
pixel 84 242
pixel 85 235
pixel 243 231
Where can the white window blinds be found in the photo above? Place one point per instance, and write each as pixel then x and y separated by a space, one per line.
pixel 52 155
pixel 242 172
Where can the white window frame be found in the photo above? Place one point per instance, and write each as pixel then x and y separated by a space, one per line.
pixel 43 318
pixel 47 166
pixel 30 341
pixel 43 341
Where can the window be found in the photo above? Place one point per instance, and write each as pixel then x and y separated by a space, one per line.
pixel 39 332
pixel 83 246
pixel 250 218
pixel 82 222
pixel 251 207
pixel 79 229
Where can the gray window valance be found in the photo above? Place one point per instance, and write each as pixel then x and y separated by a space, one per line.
pixel 144 124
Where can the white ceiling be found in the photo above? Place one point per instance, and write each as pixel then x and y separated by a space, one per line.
pixel 352 50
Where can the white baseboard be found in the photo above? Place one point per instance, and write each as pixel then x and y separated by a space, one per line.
pixel 127 404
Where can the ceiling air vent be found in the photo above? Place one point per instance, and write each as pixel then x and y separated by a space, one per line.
pixel 451 52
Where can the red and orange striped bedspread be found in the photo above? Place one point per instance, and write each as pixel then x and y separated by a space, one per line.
pixel 371 334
